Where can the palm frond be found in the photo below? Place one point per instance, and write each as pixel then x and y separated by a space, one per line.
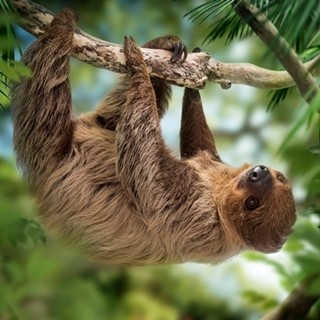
pixel 8 43
pixel 298 21
pixel 277 97
pixel 211 8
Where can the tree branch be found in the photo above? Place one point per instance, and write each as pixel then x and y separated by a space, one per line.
pixel 298 304
pixel 269 34
pixel 194 72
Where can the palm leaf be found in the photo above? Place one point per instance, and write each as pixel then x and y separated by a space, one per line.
pixel 298 21
pixel 277 97
pixel 8 43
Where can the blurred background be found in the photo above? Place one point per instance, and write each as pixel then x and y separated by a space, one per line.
pixel 43 279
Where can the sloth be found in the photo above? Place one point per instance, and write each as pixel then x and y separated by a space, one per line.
pixel 106 180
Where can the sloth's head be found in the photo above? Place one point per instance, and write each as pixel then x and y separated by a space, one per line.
pixel 260 207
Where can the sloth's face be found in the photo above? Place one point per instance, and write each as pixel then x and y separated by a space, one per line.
pixel 261 208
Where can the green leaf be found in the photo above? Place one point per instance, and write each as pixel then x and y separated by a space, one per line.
pixel 294 245
pixel 314 287
pixel 34 231
pixel 309 264
pixel 22 69
pixel 7 43
pixel 261 300
pixel 277 97
pixel 304 119
pixel 14 70
pixel 310 233
pixel 9 71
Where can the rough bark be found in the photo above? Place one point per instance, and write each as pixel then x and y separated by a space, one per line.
pixel 198 69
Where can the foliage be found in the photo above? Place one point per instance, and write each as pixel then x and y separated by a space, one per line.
pixel 303 249
pixel 303 35
pixel 9 68
pixel 226 23
pixel 40 279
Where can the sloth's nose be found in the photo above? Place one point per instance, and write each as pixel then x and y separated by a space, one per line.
pixel 258 173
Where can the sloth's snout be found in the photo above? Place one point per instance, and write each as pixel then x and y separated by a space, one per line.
pixel 258 173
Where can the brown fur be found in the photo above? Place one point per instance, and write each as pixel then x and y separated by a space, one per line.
pixel 108 181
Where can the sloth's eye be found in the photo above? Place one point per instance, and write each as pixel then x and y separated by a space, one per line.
pixel 252 203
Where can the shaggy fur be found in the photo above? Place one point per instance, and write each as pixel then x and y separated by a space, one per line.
pixel 107 181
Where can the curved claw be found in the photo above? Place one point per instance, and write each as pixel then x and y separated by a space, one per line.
pixel 179 52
